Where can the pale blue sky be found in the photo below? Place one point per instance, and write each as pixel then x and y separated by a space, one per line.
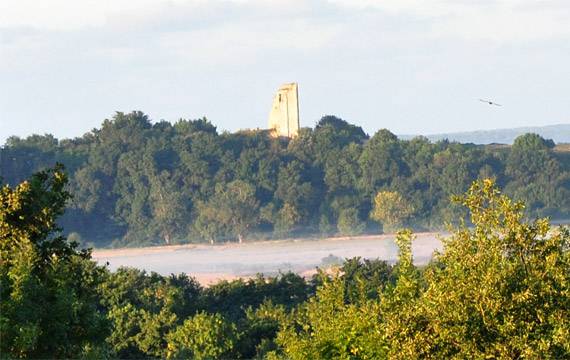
pixel 411 66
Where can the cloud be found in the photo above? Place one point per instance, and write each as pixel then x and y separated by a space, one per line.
pixel 64 15
pixel 491 20
pixel 79 14
pixel 190 33
pixel 488 20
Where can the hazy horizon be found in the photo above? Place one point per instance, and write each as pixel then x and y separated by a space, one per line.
pixel 414 67
pixel 496 132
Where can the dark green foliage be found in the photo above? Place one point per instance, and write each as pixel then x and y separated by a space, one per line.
pixel 365 276
pixel 138 183
pixel 531 164
pixel 232 298
pixel 349 222
pixel 230 213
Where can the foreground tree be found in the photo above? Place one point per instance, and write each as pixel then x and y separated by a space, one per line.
pixel 327 327
pixel 49 304
pixel 499 289
pixel 203 336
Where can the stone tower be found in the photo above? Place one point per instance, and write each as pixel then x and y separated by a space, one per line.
pixel 284 116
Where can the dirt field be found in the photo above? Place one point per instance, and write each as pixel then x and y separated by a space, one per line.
pixel 211 263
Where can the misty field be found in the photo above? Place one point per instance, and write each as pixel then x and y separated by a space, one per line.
pixel 210 263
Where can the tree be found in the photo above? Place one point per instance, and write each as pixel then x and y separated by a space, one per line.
pixel 233 210
pixel 203 336
pixel 497 290
pixel 381 161
pixel 49 304
pixel 536 176
pixel 295 187
pixel 143 308
pixel 349 222
pixel 370 275
pixel 332 134
pixel 287 217
pixel 326 327
pixel 342 170
pixel 137 183
pixel 348 132
pixel 390 209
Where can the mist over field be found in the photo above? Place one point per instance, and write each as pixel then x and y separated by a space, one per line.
pixel 228 261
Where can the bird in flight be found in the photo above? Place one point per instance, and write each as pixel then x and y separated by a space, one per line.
pixel 490 102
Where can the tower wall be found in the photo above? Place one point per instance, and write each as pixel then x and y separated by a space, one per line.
pixel 284 115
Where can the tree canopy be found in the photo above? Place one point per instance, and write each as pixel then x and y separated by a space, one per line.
pixel 138 183
pixel 499 288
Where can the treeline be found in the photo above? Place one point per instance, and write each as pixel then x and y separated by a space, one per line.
pixel 499 289
pixel 137 183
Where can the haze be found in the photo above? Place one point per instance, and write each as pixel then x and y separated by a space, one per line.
pixel 210 263
pixel 415 67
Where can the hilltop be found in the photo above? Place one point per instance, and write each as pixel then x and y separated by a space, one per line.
pixel 136 182
pixel 558 133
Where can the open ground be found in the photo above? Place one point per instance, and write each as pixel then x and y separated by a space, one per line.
pixel 212 263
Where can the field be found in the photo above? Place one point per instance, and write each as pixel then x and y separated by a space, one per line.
pixel 562 148
pixel 211 263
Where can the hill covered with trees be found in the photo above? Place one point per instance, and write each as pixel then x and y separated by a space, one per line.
pixel 499 289
pixel 136 183
pixel 559 133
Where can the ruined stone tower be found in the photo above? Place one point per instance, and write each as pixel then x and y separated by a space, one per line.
pixel 284 116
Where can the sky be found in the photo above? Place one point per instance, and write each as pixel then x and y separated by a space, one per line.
pixel 412 66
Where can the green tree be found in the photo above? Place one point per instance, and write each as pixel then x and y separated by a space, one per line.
pixel 295 186
pixel 536 175
pixel 287 218
pixel 136 182
pixel 49 304
pixel 326 327
pixel 333 134
pixel 143 308
pixel 368 275
pixel 390 209
pixel 497 290
pixel 342 171
pixel 349 222
pixel 204 336
pixel 233 210
pixel 381 161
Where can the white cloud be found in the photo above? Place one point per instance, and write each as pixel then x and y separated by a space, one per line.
pixel 420 7
pixel 239 44
pixel 77 14
pixel 489 20
pixel 492 20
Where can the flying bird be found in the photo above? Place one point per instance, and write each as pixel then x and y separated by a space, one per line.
pixel 490 102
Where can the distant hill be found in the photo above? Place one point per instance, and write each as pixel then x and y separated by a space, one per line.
pixel 559 133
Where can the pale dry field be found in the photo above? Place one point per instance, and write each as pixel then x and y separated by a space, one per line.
pixel 212 263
